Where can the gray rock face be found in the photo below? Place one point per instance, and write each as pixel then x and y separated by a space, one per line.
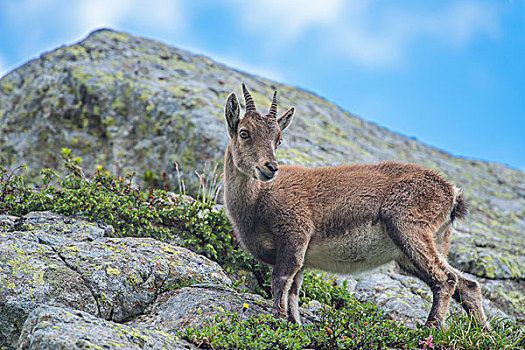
pixel 191 307
pixel 59 261
pixel 406 304
pixel 67 329
pixel 64 284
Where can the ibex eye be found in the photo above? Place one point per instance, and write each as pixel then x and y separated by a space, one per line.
pixel 244 134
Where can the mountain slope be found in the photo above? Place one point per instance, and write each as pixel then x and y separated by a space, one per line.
pixel 132 104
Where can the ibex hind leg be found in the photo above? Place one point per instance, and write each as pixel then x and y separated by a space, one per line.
pixel 468 295
pixel 468 292
pixel 423 260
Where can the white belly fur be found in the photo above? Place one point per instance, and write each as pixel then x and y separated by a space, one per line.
pixel 358 250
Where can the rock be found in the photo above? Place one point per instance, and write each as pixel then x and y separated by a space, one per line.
pixel 191 307
pixel 7 222
pixel 32 274
pixel 68 329
pixel 394 298
pixel 506 295
pixel 54 260
pixel 489 263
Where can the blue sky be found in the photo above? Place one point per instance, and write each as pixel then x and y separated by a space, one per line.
pixel 450 73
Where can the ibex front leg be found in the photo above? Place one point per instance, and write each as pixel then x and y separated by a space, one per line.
pixel 290 258
pixel 293 298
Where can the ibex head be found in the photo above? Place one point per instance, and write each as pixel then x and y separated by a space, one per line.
pixel 254 137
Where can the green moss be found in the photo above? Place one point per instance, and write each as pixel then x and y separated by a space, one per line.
pixel 72 248
pixel 118 103
pixel 262 102
pixel 144 95
pixel 115 36
pixel 110 121
pixel 7 87
pixel 81 75
pixel 113 271
pixel 38 278
pixel 77 50
pixel 134 279
pixel 295 156
pixel 107 81
pixel 128 91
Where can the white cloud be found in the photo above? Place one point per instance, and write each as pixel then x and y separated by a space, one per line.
pixel 367 32
pixel 287 19
pixel 42 25
pixel 387 43
pixel 165 15
pixel 265 71
pixel 99 13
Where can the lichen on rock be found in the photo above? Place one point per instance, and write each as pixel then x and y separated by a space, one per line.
pixel 50 259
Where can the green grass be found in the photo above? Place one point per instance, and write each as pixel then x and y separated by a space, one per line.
pixel 345 323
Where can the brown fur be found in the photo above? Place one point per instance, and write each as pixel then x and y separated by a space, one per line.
pixel 342 219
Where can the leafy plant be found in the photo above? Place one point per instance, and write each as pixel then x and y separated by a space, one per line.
pixel 359 327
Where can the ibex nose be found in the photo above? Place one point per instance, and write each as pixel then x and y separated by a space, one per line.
pixel 272 166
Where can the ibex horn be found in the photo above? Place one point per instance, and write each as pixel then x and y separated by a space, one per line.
pixel 273 107
pixel 250 104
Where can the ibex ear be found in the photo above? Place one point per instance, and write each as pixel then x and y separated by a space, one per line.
pixel 231 111
pixel 286 118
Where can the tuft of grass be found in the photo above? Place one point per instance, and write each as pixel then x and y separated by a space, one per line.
pixel 209 185
pixel 462 332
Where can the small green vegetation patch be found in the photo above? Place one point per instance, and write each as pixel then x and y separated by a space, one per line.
pixel 354 328
pixel 361 326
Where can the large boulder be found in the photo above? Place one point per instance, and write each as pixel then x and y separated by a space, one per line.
pixel 49 259
pixel 67 329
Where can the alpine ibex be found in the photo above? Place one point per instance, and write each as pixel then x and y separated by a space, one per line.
pixel 342 219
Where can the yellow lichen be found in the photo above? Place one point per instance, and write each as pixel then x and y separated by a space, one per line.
pixel 113 271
